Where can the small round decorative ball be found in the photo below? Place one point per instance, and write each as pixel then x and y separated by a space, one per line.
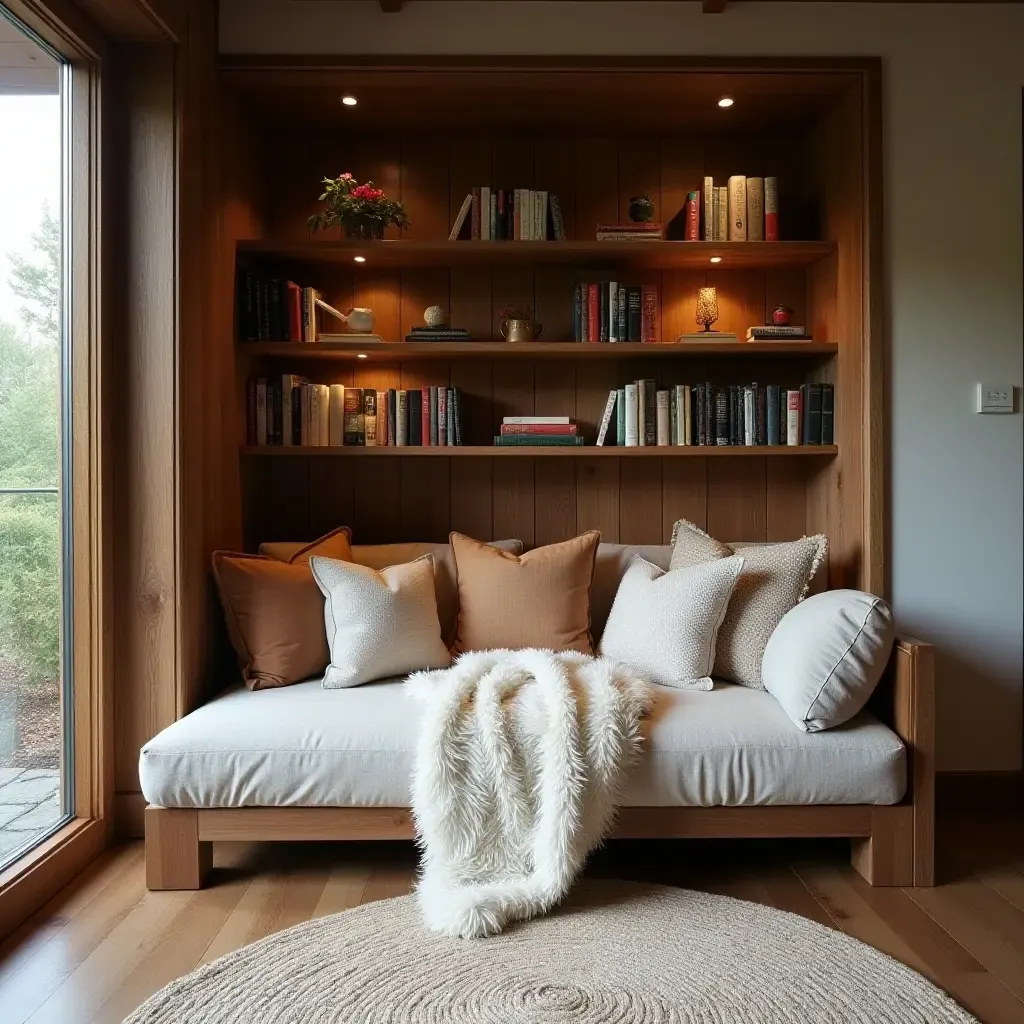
pixel 641 209
pixel 433 316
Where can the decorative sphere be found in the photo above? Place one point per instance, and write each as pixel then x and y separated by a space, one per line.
pixel 641 209
pixel 433 316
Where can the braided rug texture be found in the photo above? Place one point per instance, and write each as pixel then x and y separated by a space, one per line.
pixel 614 953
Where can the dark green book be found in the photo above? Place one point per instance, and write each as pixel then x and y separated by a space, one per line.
pixel 535 440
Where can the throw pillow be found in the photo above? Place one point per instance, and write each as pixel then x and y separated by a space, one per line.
pixel 664 624
pixel 773 580
pixel 275 613
pixel 540 599
pixel 379 623
pixel 826 656
pixel 336 544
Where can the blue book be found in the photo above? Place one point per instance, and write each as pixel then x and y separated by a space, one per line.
pixel 773 414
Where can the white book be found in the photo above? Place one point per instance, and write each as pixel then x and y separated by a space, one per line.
pixel 721 213
pixel 609 408
pixel 336 416
pixel 793 418
pixel 536 419
pixel 682 410
pixel 467 205
pixel 641 413
pixel 737 208
pixel 707 201
pixel 304 393
pixel 485 213
pixel 402 418
pixel 323 409
pixel 261 411
pixel 632 418
pixel 748 417
pixel 755 209
pixel 613 311
pixel 313 438
pixel 664 419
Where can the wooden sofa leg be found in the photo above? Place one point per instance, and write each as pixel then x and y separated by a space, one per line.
pixel 886 857
pixel 175 858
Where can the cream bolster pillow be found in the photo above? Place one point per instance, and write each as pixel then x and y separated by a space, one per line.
pixel 663 625
pixel 379 623
pixel 826 656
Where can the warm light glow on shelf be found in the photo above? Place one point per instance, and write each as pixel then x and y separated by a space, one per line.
pixel 360 355
pixel 716 259
pixel 725 101
pixel 359 259
pixel 351 101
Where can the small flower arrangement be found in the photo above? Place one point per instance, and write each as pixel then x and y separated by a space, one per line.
pixel 515 313
pixel 363 211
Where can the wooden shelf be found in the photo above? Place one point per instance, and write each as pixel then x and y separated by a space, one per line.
pixel 541 451
pixel 540 350
pixel 641 255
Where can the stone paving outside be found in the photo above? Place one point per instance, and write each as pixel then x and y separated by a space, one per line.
pixel 29 806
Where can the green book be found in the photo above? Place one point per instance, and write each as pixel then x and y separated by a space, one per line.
pixel 673 418
pixel 620 417
pixel 534 440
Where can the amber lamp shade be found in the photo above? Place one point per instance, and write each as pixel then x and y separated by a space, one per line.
pixel 707 307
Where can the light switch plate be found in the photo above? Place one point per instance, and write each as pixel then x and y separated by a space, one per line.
pixel 994 398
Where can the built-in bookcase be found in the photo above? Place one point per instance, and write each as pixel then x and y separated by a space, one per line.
pixel 594 135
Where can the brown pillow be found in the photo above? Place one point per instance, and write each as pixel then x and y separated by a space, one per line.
pixel 540 599
pixel 275 611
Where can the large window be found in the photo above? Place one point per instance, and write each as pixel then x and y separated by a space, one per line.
pixel 35 717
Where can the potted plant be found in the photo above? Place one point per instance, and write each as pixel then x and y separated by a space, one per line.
pixel 517 323
pixel 363 211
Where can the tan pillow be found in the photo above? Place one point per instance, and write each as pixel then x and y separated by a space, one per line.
pixel 774 578
pixel 540 599
pixel 275 617
pixel 336 544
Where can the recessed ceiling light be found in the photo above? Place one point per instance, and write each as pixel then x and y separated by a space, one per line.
pixel 351 101
pixel 359 259
pixel 726 101
pixel 716 259
pixel 360 355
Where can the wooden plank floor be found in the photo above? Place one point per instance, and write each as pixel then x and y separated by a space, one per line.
pixel 105 943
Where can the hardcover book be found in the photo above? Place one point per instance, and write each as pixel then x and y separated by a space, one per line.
pixel 755 209
pixel 649 411
pixel 772 413
pixel 828 399
pixel 354 434
pixel 620 417
pixel 370 417
pixel 649 313
pixel 336 415
pixel 707 209
pixel 402 418
pixel 662 419
pixel 414 414
pixel 810 400
pixel 737 208
pixel 632 416
pixel 771 209
pixel 793 418
pixel 543 440
pixel 432 427
pixel 693 217
pixel 534 429
pixel 721 416
pixel 383 426
pixel 442 417
pixel 606 418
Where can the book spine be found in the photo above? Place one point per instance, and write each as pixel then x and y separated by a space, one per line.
pixel 313 431
pixel 492 215
pixel 566 440
pixel 442 416
pixel 425 417
pixel 737 208
pixel 810 400
pixel 650 412
pixel 735 429
pixel 536 419
pixel 370 417
pixel 577 312
pixel 305 401
pixel 641 413
pixel 755 209
pixel 681 396
pixel 606 418
pixel 708 208
pixel 485 213
pixel 772 413
pixel 432 430
pixel 288 382
pixel 749 417
pixel 687 415
pixel 709 411
pixel 634 313
pixel 414 414
pixel 474 214
pixel 673 417
pixel 336 415
pixel 297 412
pixel 261 411
pixel 622 314
pixel 603 312
pixel 454 417
pixel 324 414
pixel 557 223
pixel 761 415
pixel 662 419
pixel 250 411
pixel 383 426
pixel 460 220
pixel 693 217
pixel 613 311
pixel 793 418
pixel 593 312
pixel 722 213
pixel 631 432
pixel 828 410
pixel 392 417
pixel 649 320
pixel 538 428
pixel 353 406
pixel 771 209
pixel 701 432
pixel 402 418
pixel 541 215
pixel 501 219
pixel 620 417
pixel 721 410
pixel 517 212
pixel 294 312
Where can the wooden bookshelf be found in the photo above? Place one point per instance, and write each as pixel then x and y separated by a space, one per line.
pixel 544 451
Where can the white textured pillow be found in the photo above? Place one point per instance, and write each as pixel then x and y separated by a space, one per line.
pixel 774 578
pixel 664 624
pixel 379 623
pixel 826 656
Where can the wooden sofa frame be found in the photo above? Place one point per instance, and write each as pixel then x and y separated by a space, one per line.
pixel 890 845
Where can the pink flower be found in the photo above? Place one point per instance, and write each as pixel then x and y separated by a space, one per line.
pixel 345 177
pixel 367 192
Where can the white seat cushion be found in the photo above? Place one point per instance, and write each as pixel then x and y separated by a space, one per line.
pixel 305 746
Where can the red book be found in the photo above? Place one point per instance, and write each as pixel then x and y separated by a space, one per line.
pixel 593 313
pixel 538 428
pixel 771 209
pixel 294 312
pixel 692 218
pixel 649 313
pixel 425 418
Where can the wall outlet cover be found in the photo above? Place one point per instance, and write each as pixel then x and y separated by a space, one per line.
pixel 994 398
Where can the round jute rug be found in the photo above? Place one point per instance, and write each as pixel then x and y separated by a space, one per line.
pixel 614 953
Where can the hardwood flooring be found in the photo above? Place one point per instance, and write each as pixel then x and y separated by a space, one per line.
pixel 104 944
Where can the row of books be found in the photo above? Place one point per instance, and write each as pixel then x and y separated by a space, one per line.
pixel 508 215
pixel 537 431
pixel 610 311
pixel 641 413
pixel 744 210
pixel 290 410
pixel 273 309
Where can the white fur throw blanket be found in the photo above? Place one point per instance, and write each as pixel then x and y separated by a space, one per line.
pixel 519 765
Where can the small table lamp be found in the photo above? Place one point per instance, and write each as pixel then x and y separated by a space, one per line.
pixel 707 308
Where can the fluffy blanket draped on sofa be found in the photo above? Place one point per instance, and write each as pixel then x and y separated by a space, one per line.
pixel 520 762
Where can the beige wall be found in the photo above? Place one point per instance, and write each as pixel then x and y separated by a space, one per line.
pixel 953 80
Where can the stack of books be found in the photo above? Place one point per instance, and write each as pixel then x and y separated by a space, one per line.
pixel 290 410
pixel 538 430
pixel 745 210
pixel 438 334
pixel 641 414
pixel 771 332
pixel 637 231
pixel 508 215
pixel 273 309
pixel 610 311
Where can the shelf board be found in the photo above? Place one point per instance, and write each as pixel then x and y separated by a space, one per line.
pixel 661 255
pixel 420 350
pixel 541 451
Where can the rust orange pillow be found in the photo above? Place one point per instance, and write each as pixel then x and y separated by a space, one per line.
pixel 539 599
